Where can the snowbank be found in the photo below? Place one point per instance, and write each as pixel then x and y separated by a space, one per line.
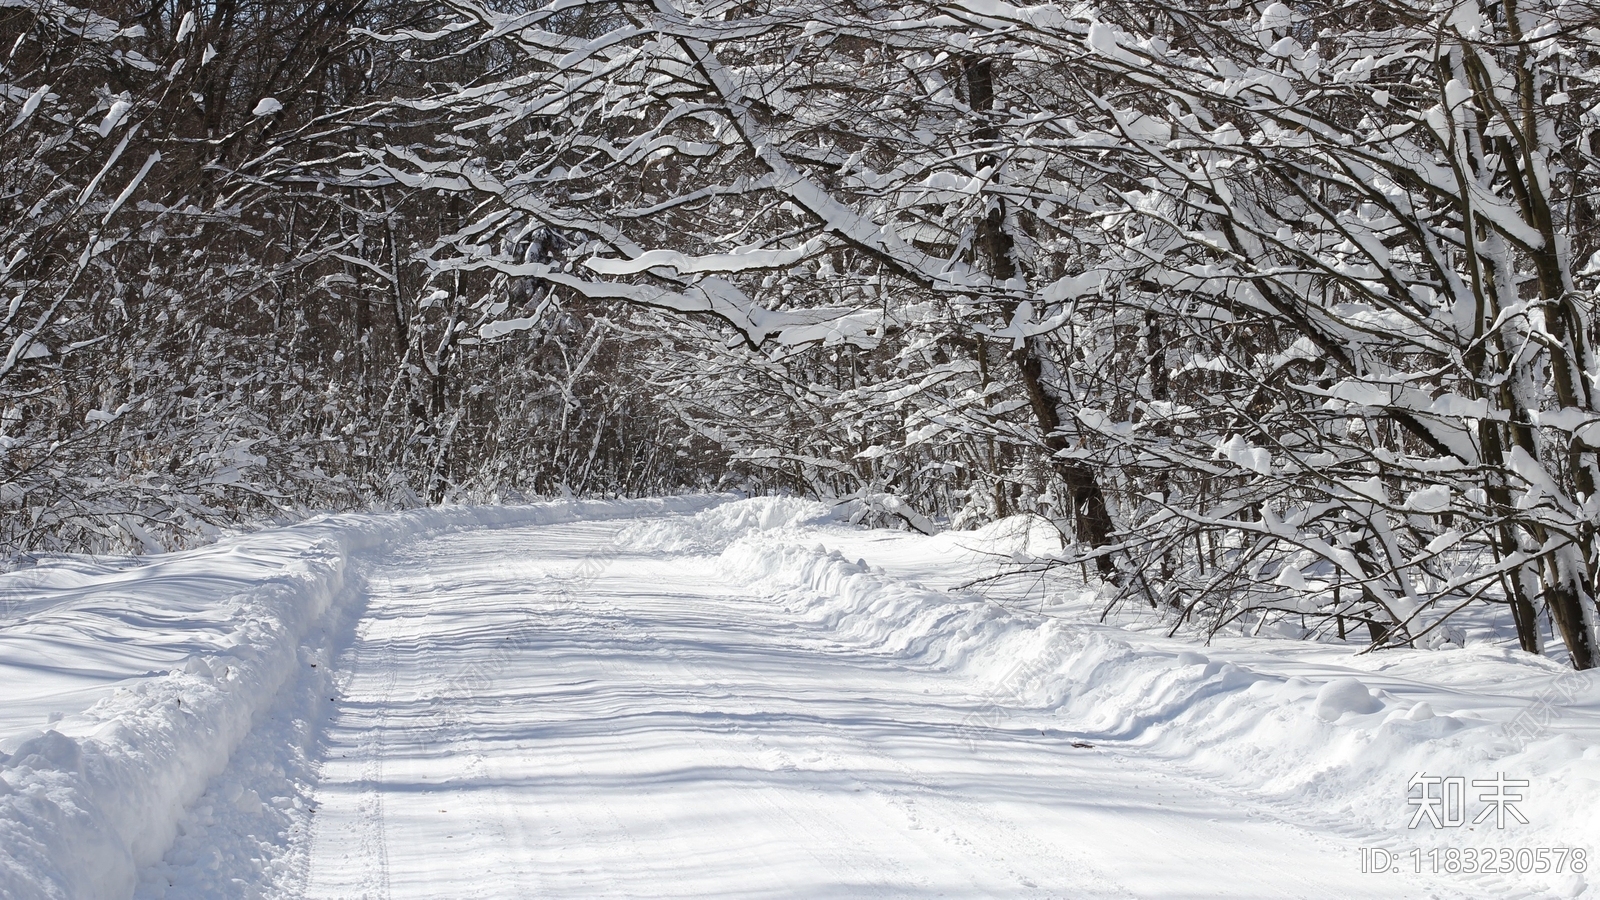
pixel 714 529
pixel 1310 730
pixel 98 794
pixel 1315 732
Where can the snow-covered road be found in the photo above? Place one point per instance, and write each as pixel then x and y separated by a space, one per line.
pixel 700 698
pixel 542 712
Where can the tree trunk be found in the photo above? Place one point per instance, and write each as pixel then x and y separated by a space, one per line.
pixel 994 243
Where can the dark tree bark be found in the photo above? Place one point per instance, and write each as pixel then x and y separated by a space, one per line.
pixel 996 246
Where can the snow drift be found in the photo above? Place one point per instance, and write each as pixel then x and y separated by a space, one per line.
pixel 1315 731
pixel 88 801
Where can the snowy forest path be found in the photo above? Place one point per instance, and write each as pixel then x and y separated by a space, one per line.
pixel 543 711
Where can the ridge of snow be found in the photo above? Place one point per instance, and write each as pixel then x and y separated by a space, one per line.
pixel 1333 737
pixel 87 802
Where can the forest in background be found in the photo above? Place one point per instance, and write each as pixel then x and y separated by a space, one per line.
pixel 1283 313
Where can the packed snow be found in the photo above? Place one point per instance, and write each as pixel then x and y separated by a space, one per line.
pixel 713 697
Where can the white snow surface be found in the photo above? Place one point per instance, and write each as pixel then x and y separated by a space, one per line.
pixel 697 697
pixel 127 684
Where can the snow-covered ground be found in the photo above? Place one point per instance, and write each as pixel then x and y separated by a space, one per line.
pixel 675 698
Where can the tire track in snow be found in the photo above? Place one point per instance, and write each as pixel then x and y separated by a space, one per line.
pixel 668 735
pixel 365 829
pixel 374 841
pixel 818 825
pixel 906 808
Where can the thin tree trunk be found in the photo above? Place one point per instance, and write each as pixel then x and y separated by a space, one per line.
pixel 994 243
